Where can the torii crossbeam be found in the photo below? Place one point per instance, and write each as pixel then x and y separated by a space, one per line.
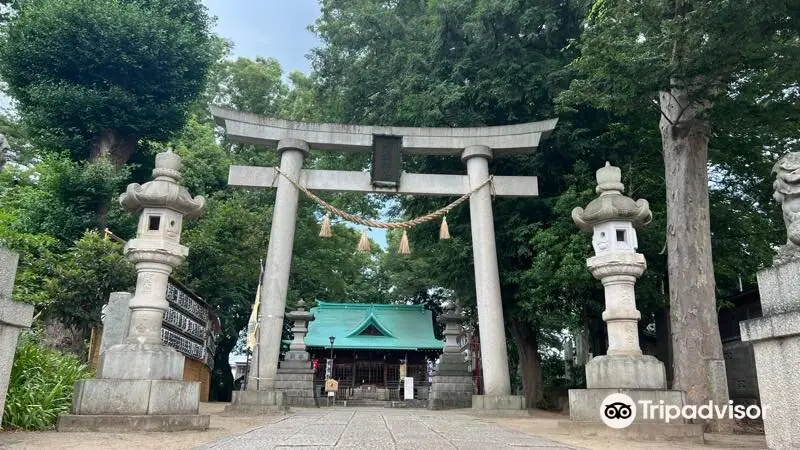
pixel 476 146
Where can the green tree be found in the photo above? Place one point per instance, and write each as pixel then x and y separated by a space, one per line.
pixel 98 76
pixel 253 85
pixel 61 198
pixel 493 62
pixel 82 280
pixel 457 63
pixel 692 64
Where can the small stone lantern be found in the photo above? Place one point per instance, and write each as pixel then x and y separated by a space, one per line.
pixel 294 380
pixel 451 385
pixel 297 354
pixel 613 218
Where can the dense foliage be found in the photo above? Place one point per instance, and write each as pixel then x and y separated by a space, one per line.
pixel 710 75
pixel 40 386
pixel 96 76
pixel 492 62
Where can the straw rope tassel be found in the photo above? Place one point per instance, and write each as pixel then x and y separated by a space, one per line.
pixel 444 231
pixel 363 243
pixel 404 248
pixel 325 228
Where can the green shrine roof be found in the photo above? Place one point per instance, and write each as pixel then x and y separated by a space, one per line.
pixel 372 326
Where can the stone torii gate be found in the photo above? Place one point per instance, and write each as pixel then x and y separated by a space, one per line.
pixel 293 140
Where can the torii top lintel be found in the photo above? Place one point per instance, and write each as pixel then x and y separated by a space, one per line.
pixel 503 140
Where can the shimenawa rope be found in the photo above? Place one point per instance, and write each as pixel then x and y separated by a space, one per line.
pixel 387 225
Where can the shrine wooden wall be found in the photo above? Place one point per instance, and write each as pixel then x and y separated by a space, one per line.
pixel 194 370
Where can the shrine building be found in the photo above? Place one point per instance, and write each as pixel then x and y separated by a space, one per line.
pixel 374 347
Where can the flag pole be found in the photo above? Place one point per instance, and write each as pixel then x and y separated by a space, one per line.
pixel 253 328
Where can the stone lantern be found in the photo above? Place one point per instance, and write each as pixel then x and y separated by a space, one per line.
pixel 451 385
pixel 295 376
pixel 612 218
pixel 139 384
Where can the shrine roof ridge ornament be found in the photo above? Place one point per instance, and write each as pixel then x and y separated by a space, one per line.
pixel 503 140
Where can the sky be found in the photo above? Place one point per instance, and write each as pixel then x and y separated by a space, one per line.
pixel 276 28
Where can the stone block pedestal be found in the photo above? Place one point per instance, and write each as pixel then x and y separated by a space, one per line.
pixel 297 387
pixel 585 409
pixel 128 423
pixel 584 404
pixel 450 392
pixel 625 371
pixel 141 362
pixel 512 405
pixel 681 432
pixel 776 346
pixel 257 402
pixel 114 405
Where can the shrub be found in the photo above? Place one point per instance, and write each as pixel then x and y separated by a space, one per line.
pixel 40 387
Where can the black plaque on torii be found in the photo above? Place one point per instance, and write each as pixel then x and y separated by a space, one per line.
pixel 387 160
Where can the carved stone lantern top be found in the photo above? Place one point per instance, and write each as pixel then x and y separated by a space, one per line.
pixel 612 216
pixel 451 313
pixel 300 314
pixel 611 204
pixel 165 191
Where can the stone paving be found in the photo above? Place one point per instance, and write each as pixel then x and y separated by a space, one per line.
pixel 349 428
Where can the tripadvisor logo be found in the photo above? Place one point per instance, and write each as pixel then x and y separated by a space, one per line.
pixel 619 411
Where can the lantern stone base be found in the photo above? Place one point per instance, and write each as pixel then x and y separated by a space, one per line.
pixel 141 362
pixel 173 406
pixel 450 391
pixel 254 402
pixel 673 432
pixel 512 405
pixel 584 404
pixel 625 371
pixel 451 386
pixel 297 386
pixel 133 423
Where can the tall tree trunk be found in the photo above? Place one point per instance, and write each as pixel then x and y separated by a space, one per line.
pixel 221 377
pixel 528 348
pixel 119 150
pixel 698 364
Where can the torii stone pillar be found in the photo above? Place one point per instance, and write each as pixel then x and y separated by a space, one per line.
pixel 475 145
pixel 496 379
pixel 276 270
